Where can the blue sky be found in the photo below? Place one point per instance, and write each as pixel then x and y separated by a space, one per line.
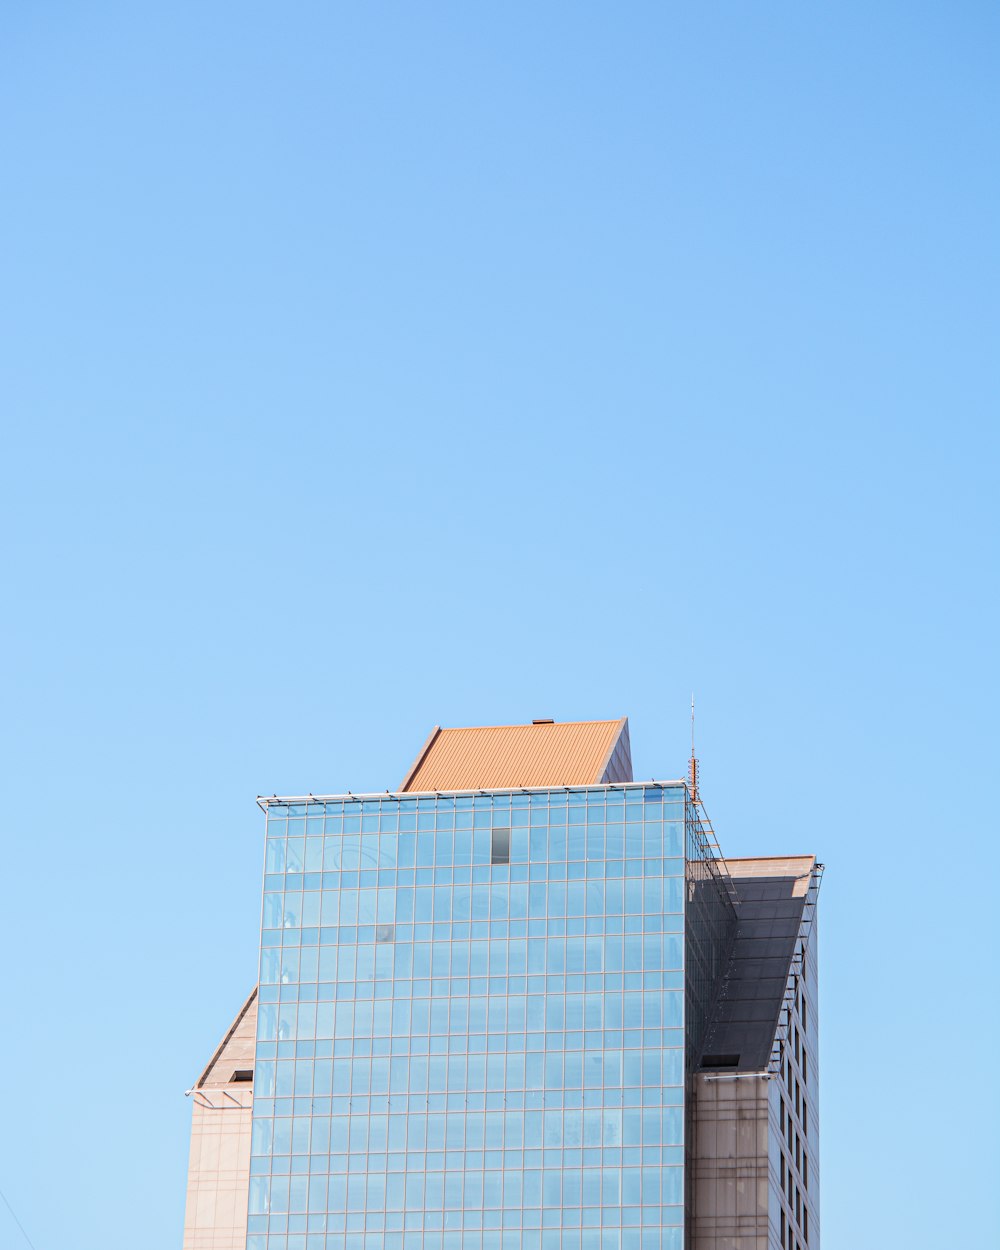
pixel 371 367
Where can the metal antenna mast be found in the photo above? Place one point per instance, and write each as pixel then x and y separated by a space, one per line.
pixel 693 763
pixel 702 826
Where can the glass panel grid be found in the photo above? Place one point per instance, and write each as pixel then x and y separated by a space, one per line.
pixel 454 1052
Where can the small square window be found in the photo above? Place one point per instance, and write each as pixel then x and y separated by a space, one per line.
pixel 242 1074
pixel 500 848
pixel 385 933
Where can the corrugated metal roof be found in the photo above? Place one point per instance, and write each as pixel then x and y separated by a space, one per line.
pixel 497 757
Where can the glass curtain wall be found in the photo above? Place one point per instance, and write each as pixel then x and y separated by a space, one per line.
pixel 471 1023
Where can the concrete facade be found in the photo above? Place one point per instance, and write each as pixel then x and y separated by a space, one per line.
pixel 793 1119
pixel 219 1167
pixel 728 1163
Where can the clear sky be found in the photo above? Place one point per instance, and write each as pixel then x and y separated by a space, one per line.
pixel 366 367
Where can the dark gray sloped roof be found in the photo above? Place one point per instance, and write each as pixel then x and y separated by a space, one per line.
pixel 772 894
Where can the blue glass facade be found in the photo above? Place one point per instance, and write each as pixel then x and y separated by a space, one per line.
pixel 472 1022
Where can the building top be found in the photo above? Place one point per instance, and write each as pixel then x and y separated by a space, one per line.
pixel 234 1058
pixel 773 891
pixel 499 757
pixel 795 868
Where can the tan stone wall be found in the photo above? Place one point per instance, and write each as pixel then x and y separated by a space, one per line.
pixel 219 1171
pixel 215 1217
pixel 728 1160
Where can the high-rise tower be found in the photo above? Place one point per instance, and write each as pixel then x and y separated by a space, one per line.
pixel 522 1003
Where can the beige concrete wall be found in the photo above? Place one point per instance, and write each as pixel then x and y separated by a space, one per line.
pixel 215 1217
pixel 728 1163
pixel 219 1169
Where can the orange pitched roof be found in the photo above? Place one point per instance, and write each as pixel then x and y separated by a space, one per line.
pixel 500 757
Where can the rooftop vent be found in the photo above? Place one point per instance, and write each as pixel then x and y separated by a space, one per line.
pixel 543 722
pixel 720 1061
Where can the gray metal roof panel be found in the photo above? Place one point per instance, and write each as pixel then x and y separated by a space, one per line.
pixel 746 1014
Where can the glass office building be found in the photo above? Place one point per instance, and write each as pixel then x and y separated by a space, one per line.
pixel 522 1002
pixel 471 1026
